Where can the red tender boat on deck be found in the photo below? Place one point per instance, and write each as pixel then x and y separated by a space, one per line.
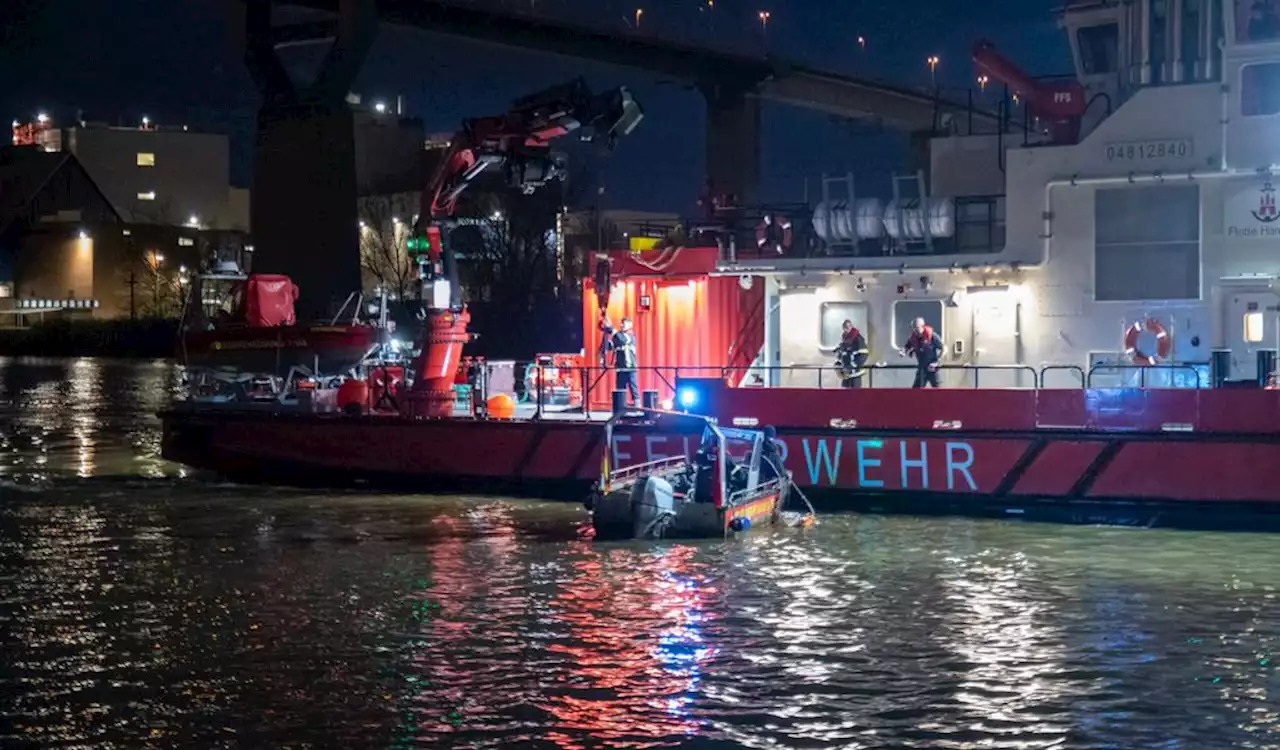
pixel 244 325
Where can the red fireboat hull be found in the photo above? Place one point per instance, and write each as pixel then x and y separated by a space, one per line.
pixel 1205 458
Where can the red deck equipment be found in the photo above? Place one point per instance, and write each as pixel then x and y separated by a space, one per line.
pixel 694 323
pixel 268 300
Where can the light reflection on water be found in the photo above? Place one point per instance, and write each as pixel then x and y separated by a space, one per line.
pixel 139 608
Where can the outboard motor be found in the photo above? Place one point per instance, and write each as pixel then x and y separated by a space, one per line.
pixel 653 507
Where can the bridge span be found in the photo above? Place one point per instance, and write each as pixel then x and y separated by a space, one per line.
pixel 304 146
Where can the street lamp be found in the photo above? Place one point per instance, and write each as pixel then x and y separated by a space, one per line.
pixel 933 69
pixel 764 20
pixel 982 82
pixel 862 42
pixel 639 12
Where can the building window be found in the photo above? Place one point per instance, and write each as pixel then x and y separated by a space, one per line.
pixel 185 242
pixel 832 316
pixel 1147 243
pixel 146 159
pixel 150 195
pixel 907 310
pixel 1099 48
pixel 1253 327
pixel 1260 89
pixel 6 291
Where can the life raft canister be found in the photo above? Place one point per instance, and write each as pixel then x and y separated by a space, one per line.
pixel 1164 342
pixel 774 228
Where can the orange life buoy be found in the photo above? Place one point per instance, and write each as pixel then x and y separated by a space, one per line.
pixel 1164 342
pixel 775 228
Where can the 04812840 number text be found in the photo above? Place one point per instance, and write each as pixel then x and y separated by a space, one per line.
pixel 1176 148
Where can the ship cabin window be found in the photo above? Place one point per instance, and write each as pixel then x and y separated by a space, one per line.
pixel 907 310
pixel 832 316
pixel 1253 327
pixel 146 159
pixel 1257 21
pixel 980 224
pixel 1099 48
pixel 1260 89
pixel 1147 243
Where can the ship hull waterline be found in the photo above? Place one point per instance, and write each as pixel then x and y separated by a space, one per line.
pixel 1158 479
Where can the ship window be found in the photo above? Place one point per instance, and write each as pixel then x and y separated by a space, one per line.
pixel 1099 48
pixel 979 224
pixel 907 310
pixel 146 159
pixel 1257 20
pixel 1253 328
pixel 1147 243
pixel 832 316
pixel 1260 89
pixel 150 195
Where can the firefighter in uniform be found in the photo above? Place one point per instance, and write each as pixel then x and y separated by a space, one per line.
pixel 852 354
pixel 623 345
pixel 926 347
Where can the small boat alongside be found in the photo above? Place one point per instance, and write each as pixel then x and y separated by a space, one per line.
pixel 712 494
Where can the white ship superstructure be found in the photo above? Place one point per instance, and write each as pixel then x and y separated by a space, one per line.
pixel 1144 230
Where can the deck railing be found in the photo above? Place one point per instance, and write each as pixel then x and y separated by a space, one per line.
pixel 570 389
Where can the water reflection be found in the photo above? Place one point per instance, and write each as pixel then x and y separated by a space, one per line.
pixel 81 418
pixel 185 614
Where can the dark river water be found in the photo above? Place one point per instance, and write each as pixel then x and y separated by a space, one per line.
pixel 141 606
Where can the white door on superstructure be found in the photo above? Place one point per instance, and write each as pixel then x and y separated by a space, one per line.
pixel 1250 325
pixel 995 338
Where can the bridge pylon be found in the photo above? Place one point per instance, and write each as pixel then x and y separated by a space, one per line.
pixel 303 201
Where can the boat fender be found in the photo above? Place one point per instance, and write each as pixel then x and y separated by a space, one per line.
pixel 740 523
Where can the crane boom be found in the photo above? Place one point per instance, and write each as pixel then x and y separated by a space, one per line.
pixel 1061 103
pixel 519 142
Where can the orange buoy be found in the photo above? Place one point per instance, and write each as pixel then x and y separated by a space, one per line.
pixel 501 406
pixel 353 395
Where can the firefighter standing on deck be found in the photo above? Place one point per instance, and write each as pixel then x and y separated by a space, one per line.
pixel 623 345
pixel 926 347
pixel 852 353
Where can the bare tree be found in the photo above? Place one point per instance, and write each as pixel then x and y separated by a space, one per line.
pixel 150 285
pixel 386 222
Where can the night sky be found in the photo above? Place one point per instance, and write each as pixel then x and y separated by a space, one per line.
pixel 172 60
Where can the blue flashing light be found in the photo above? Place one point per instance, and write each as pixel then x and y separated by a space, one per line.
pixel 687 398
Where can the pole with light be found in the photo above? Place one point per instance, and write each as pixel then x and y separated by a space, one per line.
pixel 932 60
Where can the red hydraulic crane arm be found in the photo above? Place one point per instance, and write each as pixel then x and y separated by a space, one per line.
pixel 520 140
pixel 1054 101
